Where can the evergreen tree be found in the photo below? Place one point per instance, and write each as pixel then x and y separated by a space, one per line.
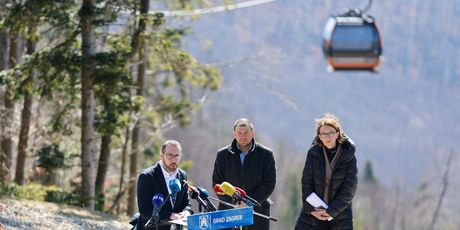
pixel 369 173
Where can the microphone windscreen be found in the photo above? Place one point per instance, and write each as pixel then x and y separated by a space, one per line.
pixel 194 193
pixel 241 192
pixel 203 192
pixel 174 185
pixel 227 188
pixel 218 190
pixel 157 199
pixel 194 189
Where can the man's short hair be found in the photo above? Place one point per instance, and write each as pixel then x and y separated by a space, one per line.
pixel 171 142
pixel 243 122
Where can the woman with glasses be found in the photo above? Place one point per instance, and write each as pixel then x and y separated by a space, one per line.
pixel 330 172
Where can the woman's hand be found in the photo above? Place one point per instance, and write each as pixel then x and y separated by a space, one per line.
pixel 320 214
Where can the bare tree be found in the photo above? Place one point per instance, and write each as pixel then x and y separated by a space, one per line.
pixel 445 183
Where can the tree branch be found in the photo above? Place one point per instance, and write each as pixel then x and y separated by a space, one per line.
pixel 445 183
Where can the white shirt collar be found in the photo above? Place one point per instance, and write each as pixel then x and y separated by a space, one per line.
pixel 167 176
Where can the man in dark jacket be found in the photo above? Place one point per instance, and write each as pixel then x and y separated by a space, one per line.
pixel 249 165
pixel 155 179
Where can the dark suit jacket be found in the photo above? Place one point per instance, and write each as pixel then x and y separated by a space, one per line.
pixel 257 176
pixel 150 182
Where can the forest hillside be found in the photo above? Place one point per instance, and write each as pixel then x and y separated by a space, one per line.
pixel 89 91
pixel 405 118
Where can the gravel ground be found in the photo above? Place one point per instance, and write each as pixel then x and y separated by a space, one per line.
pixel 26 214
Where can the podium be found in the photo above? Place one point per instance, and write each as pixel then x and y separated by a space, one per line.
pixel 221 219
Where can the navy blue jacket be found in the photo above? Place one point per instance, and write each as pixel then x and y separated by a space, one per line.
pixel 150 182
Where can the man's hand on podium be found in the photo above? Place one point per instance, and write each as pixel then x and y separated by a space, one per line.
pixel 241 204
pixel 180 215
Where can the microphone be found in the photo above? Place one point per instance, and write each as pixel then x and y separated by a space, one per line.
pixel 175 187
pixel 230 190
pixel 157 202
pixel 218 190
pixel 205 196
pixel 244 195
pixel 195 194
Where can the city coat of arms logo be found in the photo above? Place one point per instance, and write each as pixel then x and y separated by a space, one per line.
pixel 204 222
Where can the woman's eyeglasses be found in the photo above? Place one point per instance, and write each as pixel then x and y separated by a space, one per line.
pixel 327 135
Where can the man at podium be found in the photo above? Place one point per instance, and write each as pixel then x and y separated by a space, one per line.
pixel 156 179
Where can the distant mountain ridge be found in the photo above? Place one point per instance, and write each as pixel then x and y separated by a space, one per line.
pixel 396 116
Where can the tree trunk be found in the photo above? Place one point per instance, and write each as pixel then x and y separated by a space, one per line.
pixel 133 170
pixel 137 45
pixel 6 154
pixel 121 189
pixel 104 159
pixel 26 110
pixel 136 133
pixel 445 184
pixel 87 130
pixel 23 139
pixel 3 49
pixel 3 65
pixel 136 39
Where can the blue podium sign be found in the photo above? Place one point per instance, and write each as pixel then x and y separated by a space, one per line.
pixel 221 219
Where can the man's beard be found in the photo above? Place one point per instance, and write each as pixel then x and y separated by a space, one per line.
pixel 171 167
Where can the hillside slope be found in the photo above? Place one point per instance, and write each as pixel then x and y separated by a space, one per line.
pixel 404 118
pixel 27 214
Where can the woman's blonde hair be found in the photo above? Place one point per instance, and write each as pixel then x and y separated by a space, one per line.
pixel 331 120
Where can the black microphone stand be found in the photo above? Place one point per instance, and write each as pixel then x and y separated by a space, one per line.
pixel 211 207
pixel 235 206
pixel 252 200
pixel 201 202
pixel 156 216
pixel 205 197
pixel 196 195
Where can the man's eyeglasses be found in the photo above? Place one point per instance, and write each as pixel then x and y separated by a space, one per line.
pixel 173 156
pixel 329 134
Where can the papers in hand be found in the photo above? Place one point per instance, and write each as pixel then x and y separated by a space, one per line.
pixel 316 202
pixel 182 221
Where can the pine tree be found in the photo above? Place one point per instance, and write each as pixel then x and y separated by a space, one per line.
pixel 369 173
